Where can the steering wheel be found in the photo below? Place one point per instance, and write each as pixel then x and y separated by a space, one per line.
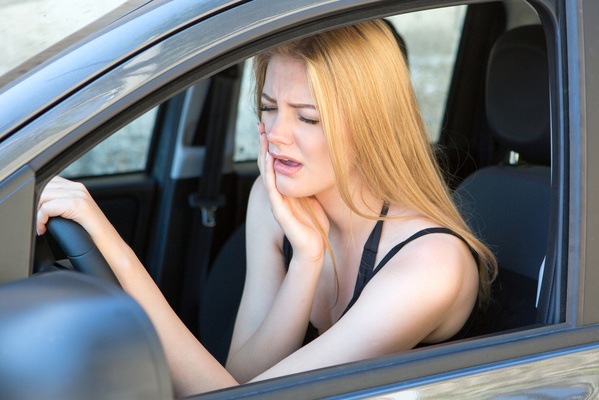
pixel 80 248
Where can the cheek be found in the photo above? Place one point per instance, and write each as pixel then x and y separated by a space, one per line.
pixel 319 152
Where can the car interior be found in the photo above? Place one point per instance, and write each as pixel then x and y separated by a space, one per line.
pixel 183 211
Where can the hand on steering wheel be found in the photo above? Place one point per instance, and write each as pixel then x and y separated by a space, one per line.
pixel 63 198
pixel 80 248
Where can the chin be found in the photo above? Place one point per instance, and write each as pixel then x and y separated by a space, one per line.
pixel 289 187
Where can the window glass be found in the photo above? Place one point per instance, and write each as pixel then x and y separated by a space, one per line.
pixel 432 38
pixel 246 138
pixel 124 151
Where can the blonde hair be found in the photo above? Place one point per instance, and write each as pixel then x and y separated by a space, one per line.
pixel 370 117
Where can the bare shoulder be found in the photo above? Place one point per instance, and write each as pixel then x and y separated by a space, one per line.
pixel 437 251
pixel 436 260
pixel 440 278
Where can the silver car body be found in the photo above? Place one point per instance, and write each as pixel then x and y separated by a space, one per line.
pixel 86 89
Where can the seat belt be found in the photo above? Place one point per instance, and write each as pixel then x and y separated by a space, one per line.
pixel 206 201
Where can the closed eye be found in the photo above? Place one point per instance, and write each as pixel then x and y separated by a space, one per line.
pixel 308 120
pixel 265 108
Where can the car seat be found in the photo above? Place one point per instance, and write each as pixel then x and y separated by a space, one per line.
pixel 222 295
pixel 508 205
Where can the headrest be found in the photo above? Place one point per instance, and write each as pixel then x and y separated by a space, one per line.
pixel 517 95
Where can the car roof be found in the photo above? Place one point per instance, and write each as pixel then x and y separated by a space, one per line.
pixel 34 32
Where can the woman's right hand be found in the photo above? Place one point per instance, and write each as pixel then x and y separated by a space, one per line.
pixel 193 368
pixel 70 200
pixel 306 236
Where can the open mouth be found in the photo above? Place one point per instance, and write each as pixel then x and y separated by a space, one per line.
pixel 286 166
pixel 289 163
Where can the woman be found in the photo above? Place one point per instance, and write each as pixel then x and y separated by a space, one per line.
pixel 359 242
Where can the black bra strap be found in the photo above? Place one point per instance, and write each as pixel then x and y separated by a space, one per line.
pixel 371 248
pixel 287 252
pixel 365 276
pixel 415 236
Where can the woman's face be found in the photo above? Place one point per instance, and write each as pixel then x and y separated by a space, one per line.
pixel 294 132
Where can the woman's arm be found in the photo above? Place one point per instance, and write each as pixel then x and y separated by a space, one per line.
pixel 275 307
pixel 424 294
pixel 192 367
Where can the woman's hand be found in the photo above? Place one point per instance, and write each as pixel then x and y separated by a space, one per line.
pixel 193 368
pixel 303 221
pixel 70 200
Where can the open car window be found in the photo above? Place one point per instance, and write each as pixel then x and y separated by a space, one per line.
pixel 433 39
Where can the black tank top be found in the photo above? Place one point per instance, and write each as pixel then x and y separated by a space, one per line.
pixel 368 271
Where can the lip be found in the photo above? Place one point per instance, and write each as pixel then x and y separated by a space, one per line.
pixel 284 165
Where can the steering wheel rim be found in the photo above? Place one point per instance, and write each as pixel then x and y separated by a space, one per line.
pixel 80 249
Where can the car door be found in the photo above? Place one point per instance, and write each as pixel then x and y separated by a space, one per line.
pixel 214 36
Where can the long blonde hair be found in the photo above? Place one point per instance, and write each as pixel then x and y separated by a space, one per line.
pixel 370 117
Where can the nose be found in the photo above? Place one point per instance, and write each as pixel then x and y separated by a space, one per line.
pixel 279 132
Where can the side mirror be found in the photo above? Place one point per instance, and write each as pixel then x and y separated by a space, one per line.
pixel 65 335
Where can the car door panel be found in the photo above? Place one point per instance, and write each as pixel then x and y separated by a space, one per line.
pixel 150 208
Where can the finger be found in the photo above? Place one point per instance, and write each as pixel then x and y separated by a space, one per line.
pixel 279 206
pixel 60 182
pixel 57 192
pixel 266 166
pixel 69 208
pixel 270 182
pixel 64 198
pixel 262 146
pixel 41 221
pixel 45 212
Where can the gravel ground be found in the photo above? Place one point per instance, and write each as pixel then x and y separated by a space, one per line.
pixel 29 26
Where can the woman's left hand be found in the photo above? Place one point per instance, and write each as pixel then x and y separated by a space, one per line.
pixel 306 236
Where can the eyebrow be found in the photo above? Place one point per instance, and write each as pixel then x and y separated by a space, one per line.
pixel 294 105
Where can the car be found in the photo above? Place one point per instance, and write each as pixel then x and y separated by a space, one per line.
pixel 151 111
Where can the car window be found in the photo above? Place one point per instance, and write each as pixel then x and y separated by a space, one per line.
pixel 431 37
pixel 124 151
pixel 246 143
pixel 32 31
